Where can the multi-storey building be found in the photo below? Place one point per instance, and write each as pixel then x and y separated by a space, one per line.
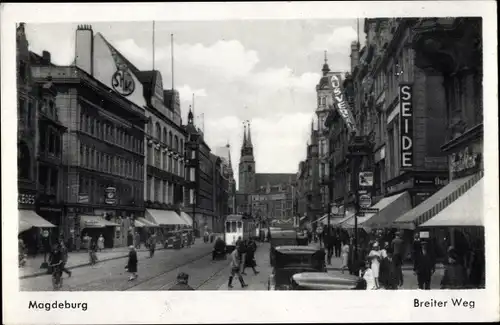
pixel 40 132
pixel 103 150
pixel 309 206
pixel 324 94
pixel 201 178
pixel 220 193
pixel 225 154
pixel 455 70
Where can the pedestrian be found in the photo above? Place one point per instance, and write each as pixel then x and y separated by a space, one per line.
pixel 137 240
pixel 367 274
pixel 454 273
pixel 64 254
pixel 100 243
pixel 345 256
pixel 477 265
pixel 328 242
pixel 424 267
pixel 189 238
pixel 416 249
pixel 182 283
pixel 397 255
pixel 152 245
pixel 391 273
pixel 374 256
pixel 319 234
pixel 21 256
pixel 250 257
pixel 131 266
pixel 92 253
pixel 235 268
pixel 337 244
pixel 384 268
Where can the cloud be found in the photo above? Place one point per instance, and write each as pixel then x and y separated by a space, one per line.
pixel 338 40
pixel 284 78
pixel 186 93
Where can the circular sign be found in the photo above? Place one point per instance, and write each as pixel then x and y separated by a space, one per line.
pixel 365 201
pixel 123 83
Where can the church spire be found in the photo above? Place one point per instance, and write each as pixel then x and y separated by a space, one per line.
pixel 190 115
pixel 249 138
pixel 228 146
pixel 326 68
pixel 244 144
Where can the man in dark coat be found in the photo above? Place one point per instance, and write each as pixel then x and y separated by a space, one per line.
pixel 328 244
pixel 250 257
pixel 397 248
pixel 455 274
pixel 182 283
pixel 424 267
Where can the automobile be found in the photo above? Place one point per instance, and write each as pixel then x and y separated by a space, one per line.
pixel 290 260
pixel 174 240
pixel 281 237
pixel 326 281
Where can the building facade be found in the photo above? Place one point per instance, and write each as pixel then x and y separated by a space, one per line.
pixel 201 179
pixel 225 155
pixel 220 193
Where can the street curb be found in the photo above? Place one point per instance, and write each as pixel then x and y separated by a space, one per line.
pixel 408 268
pixel 37 274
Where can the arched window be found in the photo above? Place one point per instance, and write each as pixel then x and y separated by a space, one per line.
pixel 164 138
pixel 181 149
pixel 87 125
pixel 176 143
pixel 23 161
pixel 170 138
pixel 158 131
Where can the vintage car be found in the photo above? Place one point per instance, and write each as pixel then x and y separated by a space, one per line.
pixel 326 281
pixel 290 260
pixel 174 240
pixel 281 237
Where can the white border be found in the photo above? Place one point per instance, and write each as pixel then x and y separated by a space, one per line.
pixel 225 307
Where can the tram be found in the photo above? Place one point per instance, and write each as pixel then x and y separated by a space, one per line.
pixel 237 226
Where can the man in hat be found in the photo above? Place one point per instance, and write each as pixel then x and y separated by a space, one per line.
pixel 424 266
pixel 182 283
pixel 397 247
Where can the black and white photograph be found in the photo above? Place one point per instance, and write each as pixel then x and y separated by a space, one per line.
pixel 241 155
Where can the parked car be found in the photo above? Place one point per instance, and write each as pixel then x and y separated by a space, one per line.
pixel 290 260
pixel 327 281
pixel 281 238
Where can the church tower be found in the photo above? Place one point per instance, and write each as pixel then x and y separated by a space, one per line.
pixel 246 168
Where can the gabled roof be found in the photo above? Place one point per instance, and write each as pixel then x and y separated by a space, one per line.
pixel 273 179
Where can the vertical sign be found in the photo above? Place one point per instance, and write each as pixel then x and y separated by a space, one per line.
pixel 340 100
pixel 406 125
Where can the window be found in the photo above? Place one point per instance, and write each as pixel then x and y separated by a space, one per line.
pixel 98 162
pixel 82 155
pixel 157 158
pixel 164 138
pixel 21 109
pixel 176 143
pixel 239 225
pixel 164 161
pixel 157 189
pixel 170 163
pixel 87 157
pixel 150 155
pixel 181 149
pixel 170 139
pixel 29 113
pixel 149 128
pixel 158 131
pixel 228 226
pixel 23 161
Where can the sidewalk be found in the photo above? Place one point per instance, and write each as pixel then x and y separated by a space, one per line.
pixel 80 259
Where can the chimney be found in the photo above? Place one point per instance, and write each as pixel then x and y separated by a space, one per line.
pixel 354 55
pixel 46 58
pixel 84 48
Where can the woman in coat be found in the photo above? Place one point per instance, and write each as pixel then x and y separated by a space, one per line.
pixel 132 263
pixel 455 274
pixel 250 257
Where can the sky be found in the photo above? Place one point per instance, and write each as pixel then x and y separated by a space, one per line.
pixel 261 71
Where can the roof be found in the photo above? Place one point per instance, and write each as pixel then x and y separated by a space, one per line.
pixel 235 217
pixel 273 179
pixel 297 249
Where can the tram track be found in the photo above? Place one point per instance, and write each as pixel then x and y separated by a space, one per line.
pixel 173 268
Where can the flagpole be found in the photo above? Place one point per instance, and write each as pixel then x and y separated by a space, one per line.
pixel 153 45
pixel 172 49
pixel 192 105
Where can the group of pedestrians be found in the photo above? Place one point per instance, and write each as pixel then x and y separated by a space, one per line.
pixel 243 256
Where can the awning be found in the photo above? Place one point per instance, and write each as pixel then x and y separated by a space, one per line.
pixel 437 202
pixel 390 208
pixel 349 223
pixel 466 211
pixel 29 219
pixel 302 218
pixel 187 218
pixel 338 222
pixel 164 217
pixel 95 222
pixel 138 224
pixel 141 222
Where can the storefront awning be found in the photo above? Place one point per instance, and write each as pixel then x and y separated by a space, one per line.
pixel 29 219
pixel 340 221
pixel 349 223
pixel 466 211
pixel 141 222
pixel 437 202
pixel 164 217
pixel 95 222
pixel 390 208
pixel 187 218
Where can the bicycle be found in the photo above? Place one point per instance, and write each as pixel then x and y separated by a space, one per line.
pixel 57 280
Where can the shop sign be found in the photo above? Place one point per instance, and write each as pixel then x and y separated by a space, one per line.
pixel 436 181
pixel 406 125
pixel 83 198
pixel 28 199
pixel 122 82
pixel 399 187
pixel 110 195
pixel 366 179
pixel 465 162
pixel 365 201
pixel 380 154
pixel 342 105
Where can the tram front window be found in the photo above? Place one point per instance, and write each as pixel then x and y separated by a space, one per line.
pixel 233 226
pixel 228 226
pixel 239 224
